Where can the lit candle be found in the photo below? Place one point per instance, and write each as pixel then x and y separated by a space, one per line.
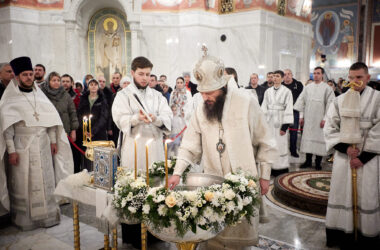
pixel 85 128
pixel 147 160
pixel 166 164
pixel 137 136
pixel 84 135
pixel 89 122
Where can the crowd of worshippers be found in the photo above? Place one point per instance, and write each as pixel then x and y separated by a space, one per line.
pixel 37 113
pixel 93 95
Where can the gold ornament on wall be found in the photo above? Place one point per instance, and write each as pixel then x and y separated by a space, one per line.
pixel 281 7
pixel 226 6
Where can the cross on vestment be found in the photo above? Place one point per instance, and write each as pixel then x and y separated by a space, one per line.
pixel 36 116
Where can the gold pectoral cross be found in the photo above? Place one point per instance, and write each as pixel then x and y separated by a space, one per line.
pixel 36 116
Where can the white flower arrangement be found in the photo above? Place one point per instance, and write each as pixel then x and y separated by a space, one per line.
pixel 212 207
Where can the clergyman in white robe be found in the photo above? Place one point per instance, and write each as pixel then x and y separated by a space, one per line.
pixel 339 217
pixel 32 182
pixel 278 108
pixel 125 114
pixel 247 141
pixel 313 104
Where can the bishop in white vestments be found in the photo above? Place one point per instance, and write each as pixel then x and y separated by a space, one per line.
pixel 312 105
pixel 228 132
pixel 365 157
pixel 278 108
pixel 39 151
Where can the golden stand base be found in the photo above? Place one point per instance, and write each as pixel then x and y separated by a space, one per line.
pixel 114 236
pixel 76 226
pixel 187 245
pixel 144 235
pixel 106 242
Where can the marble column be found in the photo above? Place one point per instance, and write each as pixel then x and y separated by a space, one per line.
pixel 135 38
pixel 70 47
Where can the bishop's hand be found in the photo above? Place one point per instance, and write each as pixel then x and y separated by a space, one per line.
pixel 13 159
pixel 173 181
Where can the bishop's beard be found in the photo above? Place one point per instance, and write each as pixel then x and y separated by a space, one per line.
pixel 138 85
pixel 214 111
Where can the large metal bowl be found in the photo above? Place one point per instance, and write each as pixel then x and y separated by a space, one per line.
pixel 169 234
pixel 202 180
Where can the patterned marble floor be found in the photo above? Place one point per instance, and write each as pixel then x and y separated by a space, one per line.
pixel 285 230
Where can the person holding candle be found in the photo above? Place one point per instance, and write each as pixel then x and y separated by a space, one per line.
pixel 227 133
pixel 93 104
pixel 131 121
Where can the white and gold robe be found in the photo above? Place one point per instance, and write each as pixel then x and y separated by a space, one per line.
pixel 313 104
pixel 339 209
pixel 125 114
pixel 33 180
pixel 278 108
pixel 247 140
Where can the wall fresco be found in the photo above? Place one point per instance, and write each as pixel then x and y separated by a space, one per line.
pixel 34 4
pixel 335 35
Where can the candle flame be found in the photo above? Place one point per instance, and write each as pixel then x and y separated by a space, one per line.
pixel 85 118
pixel 149 141
pixel 167 141
pixel 90 117
pixel 137 136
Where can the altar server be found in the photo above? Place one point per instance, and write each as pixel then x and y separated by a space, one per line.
pixel 228 132
pixel 132 122
pixel 365 158
pixel 312 105
pixel 38 149
pixel 278 108
pixel 129 118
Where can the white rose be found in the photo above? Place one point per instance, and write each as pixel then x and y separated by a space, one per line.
pixel 159 198
pixel 230 206
pixel 146 209
pixel 194 211
pixel 162 209
pixel 229 194
pixel 123 202
pixel 190 195
pixel 129 196
pixel 202 221
pixel 247 200
pixel 132 210
pixel 242 188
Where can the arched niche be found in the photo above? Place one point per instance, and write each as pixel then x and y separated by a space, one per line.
pixel 109 43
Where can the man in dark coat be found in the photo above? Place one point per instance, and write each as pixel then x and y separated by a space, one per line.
pixel 190 86
pixel 256 89
pixel 6 75
pixel 296 87
pixel 269 82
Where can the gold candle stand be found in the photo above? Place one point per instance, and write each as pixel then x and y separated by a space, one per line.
pixel 114 237
pixel 106 242
pixel 76 226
